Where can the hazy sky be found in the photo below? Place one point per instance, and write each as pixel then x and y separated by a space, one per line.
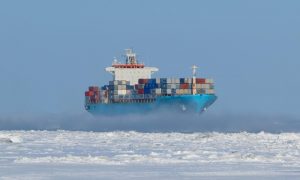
pixel 51 51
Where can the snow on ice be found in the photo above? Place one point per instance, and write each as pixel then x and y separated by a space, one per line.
pixel 77 154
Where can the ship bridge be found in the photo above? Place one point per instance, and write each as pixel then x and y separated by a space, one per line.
pixel 132 70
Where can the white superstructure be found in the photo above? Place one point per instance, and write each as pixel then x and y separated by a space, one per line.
pixel 131 71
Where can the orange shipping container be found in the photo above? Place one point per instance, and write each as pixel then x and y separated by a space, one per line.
pixel 89 93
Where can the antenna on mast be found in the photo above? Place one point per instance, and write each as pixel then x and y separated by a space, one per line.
pixel 130 57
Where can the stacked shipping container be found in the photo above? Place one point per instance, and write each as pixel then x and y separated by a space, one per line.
pixel 175 86
pixel 119 89
pixel 149 89
pixel 93 94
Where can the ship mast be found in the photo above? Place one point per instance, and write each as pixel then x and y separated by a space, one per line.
pixel 130 57
pixel 194 68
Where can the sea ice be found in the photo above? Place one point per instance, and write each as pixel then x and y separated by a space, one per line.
pixel 77 154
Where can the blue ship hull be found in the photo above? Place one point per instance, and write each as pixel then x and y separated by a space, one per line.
pixel 183 103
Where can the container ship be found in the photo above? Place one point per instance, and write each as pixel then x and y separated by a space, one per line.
pixel 133 90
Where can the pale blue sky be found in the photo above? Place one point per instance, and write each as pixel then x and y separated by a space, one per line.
pixel 50 51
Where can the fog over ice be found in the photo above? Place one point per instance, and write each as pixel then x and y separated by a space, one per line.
pixel 154 122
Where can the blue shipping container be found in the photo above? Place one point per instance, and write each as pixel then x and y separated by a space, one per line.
pixel 163 80
pixel 147 91
pixel 181 80
pixel 164 86
pixel 152 81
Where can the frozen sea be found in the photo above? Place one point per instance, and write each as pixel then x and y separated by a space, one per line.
pixel 136 155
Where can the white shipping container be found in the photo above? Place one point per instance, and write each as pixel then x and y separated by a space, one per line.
pixel 172 80
pixel 128 92
pixel 169 81
pixel 169 91
pixel 121 92
pixel 175 80
pixel 157 80
pixel 185 80
pixel 209 81
pixel 173 86
pixel 188 80
pixel 181 91
pixel 187 91
pixel 206 86
pixel 157 91
pixel 203 86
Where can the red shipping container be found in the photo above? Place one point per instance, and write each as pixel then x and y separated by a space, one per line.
pixel 89 93
pixel 200 81
pixel 184 86
pixel 141 91
pixel 143 81
pixel 94 88
pixel 136 86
